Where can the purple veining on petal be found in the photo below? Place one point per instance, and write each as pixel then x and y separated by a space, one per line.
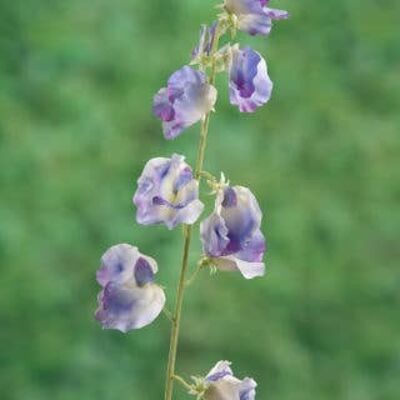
pixel 249 84
pixel 172 198
pixel 186 99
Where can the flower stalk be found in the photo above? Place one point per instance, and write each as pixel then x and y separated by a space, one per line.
pixel 187 234
pixel 168 194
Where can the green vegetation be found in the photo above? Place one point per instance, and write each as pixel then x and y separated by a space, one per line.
pixel 76 84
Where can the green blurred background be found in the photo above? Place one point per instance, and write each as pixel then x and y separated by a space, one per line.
pixel 76 84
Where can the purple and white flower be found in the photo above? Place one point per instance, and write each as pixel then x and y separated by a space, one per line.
pixel 231 235
pixel 254 16
pixel 187 98
pixel 249 84
pixel 221 384
pixel 129 298
pixel 167 193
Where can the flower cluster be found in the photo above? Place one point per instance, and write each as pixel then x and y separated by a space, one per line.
pixel 168 192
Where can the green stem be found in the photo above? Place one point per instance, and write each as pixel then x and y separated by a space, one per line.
pixel 183 382
pixel 187 231
pixel 195 273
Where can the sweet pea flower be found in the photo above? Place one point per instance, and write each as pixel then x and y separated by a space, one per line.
pixel 186 99
pixel 253 16
pixel 167 193
pixel 129 298
pixel 249 84
pixel 220 384
pixel 231 235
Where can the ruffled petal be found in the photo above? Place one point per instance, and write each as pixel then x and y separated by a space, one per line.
pixel 167 193
pixel 223 385
pixel 129 298
pixel 249 84
pixel 254 17
pixel 231 235
pixel 242 219
pixel 117 264
pixel 254 249
pixel 124 308
pixel 221 370
pixel 187 98
pixel 247 390
pixel 255 24
pixel 214 233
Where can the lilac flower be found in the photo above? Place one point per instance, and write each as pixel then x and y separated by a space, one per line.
pixel 129 298
pixel 253 16
pixel 167 193
pixel 222 385
pixel 231 235
pixel 186 99
pixel 249 84
pixel 206 41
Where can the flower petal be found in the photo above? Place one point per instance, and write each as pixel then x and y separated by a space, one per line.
pixel 187 98
pixel 220 370
pixel 125 308
pixel 231 235
pixel 167 193
pixel 248 389
pixel 254 17
pixel 249 84
pixel 214 233
pixel 129 298
pixel 117 264
pixel 249 270
pixel 223 385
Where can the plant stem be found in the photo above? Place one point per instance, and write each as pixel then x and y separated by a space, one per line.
pixel 183 382
pixel 187 232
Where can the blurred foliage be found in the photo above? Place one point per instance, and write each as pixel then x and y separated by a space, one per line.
pixel 76 84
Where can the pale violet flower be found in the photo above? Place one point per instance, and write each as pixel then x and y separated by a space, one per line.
pixel 129 298
pixel 254 16
pixel 167 193
pixel 221 384
pixel 231 235
pixel 187 98
pixel 249 84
